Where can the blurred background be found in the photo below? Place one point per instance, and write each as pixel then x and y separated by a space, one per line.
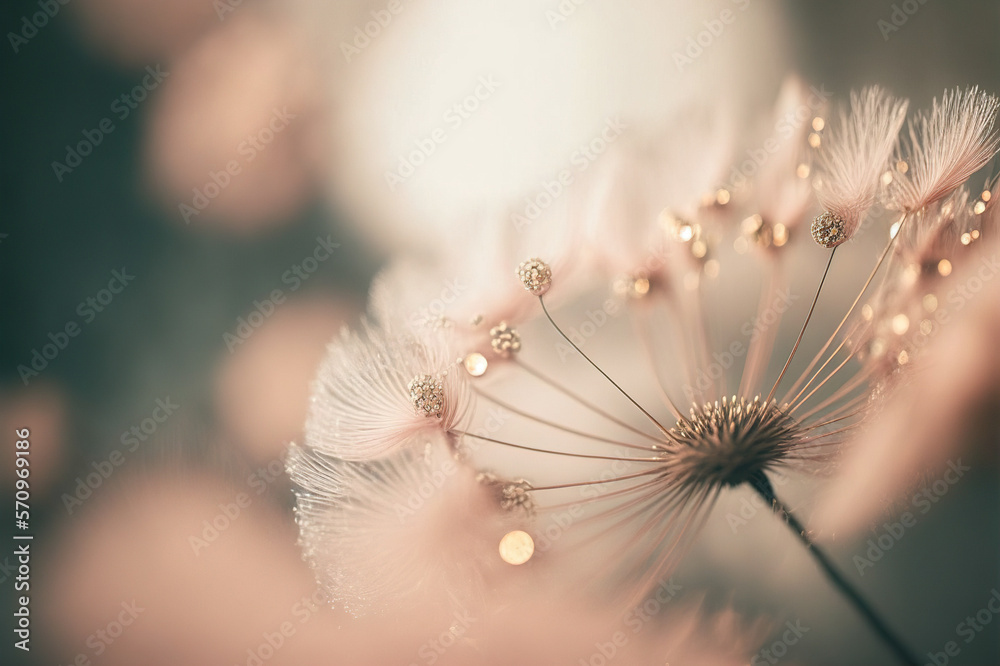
pixel 197 195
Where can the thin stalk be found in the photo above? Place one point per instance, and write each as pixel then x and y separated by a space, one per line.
pixel 762 485
pixel 572 344
pixel 795 348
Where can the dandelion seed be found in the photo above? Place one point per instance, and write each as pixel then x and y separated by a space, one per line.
pixel 376 388
pixel 412 528
pixel 535 275
pixel 427 395
pixel 504 340
pixel 855 154
pixel 829 230
pixel 663 469
pixel 946 146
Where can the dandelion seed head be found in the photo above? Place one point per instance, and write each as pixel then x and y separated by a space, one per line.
pixel 828 230
pixel 663 476
pixel 535 275
pixel 853 157
pixel 730 442
pixel 504 340
pixel 427 395
pixel 376 387
pixel 510 495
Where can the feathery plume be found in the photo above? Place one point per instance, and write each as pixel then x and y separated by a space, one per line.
pixel 946 146
pixel 380 389
pixel 413 528
pixel 661 471
pixel 852 160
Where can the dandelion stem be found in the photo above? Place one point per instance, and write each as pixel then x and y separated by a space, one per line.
pixel 557 426
pixel 660 461
pixel 579 400
pixel 803 331
pixel 833 336
pixel 649 416
pixel 762 485
pixel 642 329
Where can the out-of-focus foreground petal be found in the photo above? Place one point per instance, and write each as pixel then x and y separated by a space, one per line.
pixel 948 408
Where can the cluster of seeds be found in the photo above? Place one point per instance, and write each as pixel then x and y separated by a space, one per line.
pixel 504 339
pixel 427 395
pixel 828 230
pixel 535 275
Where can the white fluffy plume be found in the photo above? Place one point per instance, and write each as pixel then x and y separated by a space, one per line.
pixel 946 145
pixel 361 405
pixel 413 528
pixel 855 153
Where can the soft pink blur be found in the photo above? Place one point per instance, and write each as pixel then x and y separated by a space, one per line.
pixel 231 131
pixel 946 411
pixel 43 409
pixel 262 387
pixel 200 597
pixel 143 32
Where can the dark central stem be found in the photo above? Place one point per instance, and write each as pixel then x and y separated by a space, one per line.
pixel 762 485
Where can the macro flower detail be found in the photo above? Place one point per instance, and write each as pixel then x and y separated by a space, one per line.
pixel 854 154
pixel 828 230
pixel 427 395
pixel 412 528
pixel 585 449
pixel 504 339
pixel 377 387
pixel 945 146
pixel 535 275
pixel 730 442
pixel 510 494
